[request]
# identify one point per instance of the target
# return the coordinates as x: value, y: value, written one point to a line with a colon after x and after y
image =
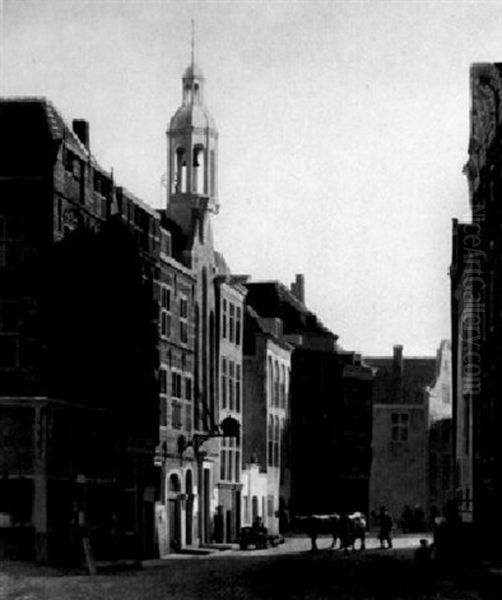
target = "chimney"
x: 398, y: 358
x: 81, y: 130
x: 397, y: 372
x: 298, y: 288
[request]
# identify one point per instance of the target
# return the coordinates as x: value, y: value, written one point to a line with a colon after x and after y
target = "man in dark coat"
x: 385, y: 533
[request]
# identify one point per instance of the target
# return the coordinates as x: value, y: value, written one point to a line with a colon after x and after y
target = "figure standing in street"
x: 385, y: 533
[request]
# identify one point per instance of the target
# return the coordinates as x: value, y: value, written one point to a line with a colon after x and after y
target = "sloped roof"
x: 418, y: 373
x: 274, y: 299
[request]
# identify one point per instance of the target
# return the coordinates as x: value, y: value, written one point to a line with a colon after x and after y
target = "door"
x: 174, y: 525
x: 188, y: 508
x: 228, y: 526
x: 207, y: 505
x: 237, y: 513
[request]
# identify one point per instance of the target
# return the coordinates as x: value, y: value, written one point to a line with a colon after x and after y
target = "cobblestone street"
x: 290, y: 571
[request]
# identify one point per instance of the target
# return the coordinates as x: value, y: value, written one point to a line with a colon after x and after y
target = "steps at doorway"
x: 196, y: 550
x: 220, y: 547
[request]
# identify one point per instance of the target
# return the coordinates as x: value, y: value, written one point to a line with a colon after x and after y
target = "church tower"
x: 192, y: 153
x: 192, y: 199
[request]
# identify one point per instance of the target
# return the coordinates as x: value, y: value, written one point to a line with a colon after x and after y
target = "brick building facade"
x: 77, y: 345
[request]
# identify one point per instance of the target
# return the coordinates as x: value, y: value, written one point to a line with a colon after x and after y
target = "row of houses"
x: 151, y: 400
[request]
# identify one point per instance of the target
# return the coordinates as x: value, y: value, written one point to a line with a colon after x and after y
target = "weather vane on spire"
x: 193, y: 41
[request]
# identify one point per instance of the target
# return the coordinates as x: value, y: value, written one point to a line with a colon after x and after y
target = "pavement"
x: 293, y: 545
x: 290, y: 571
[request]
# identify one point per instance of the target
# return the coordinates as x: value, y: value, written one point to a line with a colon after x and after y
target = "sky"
x: 343, y: 130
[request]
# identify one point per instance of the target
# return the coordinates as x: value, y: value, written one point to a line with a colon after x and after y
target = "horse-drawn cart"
x: 259, y: 539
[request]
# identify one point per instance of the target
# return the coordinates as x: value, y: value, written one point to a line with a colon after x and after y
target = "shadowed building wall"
x: 476, y: 286
x: 79, y: 403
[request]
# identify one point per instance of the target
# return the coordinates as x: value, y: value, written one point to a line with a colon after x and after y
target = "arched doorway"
x: 189, y: 508
x: 174, y: 513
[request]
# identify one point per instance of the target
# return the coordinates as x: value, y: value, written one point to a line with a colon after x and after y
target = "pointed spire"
x: 192, y: 62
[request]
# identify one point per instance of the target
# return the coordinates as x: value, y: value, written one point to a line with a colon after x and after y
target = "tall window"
x: 224, y: 383
x: 282, y: 449
x: 188, y: 419
x: 230, y: 460
x: 237, y: 388
x: 188, y: 388
x: 282, y: 384
x: 163, y: 395
x: 198, y: 169
x: 276, y: 441
x: 231, y: 326
x: 179, y: 182
x: 176, y: 421
x: 165, y: 311
x: 399, y: 426
x: 231, y: 372
x: 270, y: 382
x: 176, y: 385
x: 238, y: 325
x: 237, y: 466
x: 183, y: 320
x: 276, y: 385
x: 270, y: 436
x: 212, y: 172
x: 223, y: 464
x: 224, y: 320
x: 230, y: 464
x: 163, y: 380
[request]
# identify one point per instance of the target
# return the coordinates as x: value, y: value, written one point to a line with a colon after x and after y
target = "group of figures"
x: 413, y: 520
x: 348, y: 528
